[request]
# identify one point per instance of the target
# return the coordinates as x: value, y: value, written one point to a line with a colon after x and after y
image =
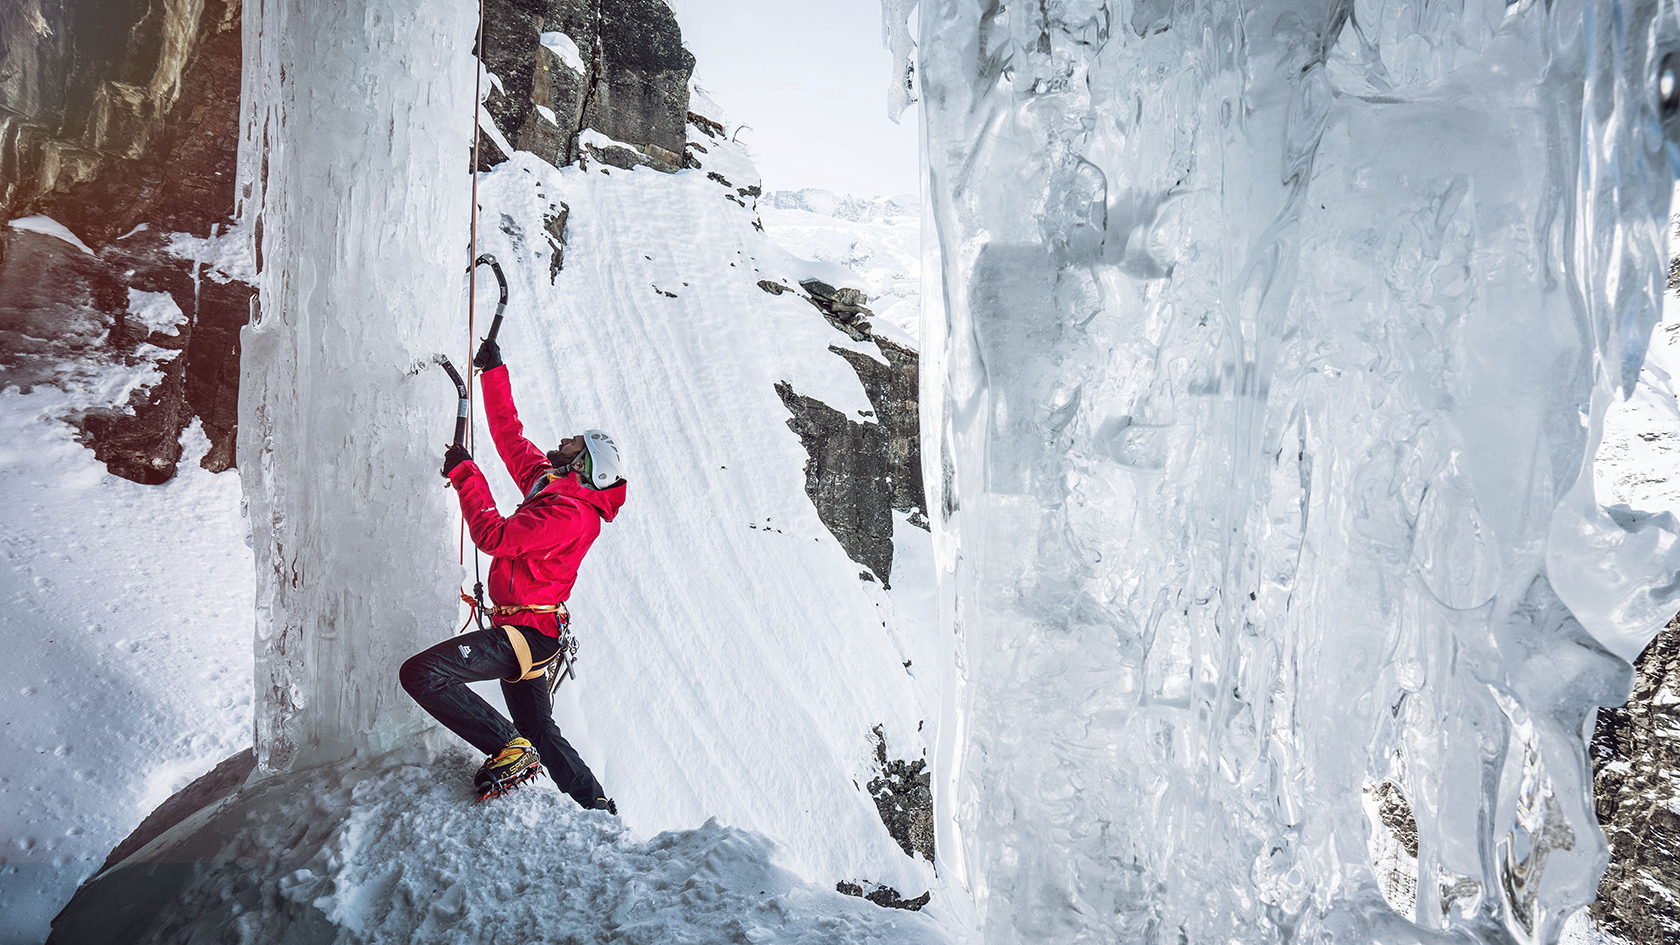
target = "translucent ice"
x: 1275, y: 339
x: 354, y: 156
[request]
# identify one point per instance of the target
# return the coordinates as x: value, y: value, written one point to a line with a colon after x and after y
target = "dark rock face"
x: 860, y: 472
x: 903, y: 794
x: 118, y: 114
x: 221, y: 781
x: 1636, y: 784
x: 633, y: 87
x: 883, y: 896
x: 112, y: 116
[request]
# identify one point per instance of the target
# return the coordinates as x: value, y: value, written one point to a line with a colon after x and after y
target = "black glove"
x: 489, y: 355
x: 454, y: 456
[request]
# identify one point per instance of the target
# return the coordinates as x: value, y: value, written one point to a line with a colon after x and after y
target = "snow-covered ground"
x: 126, y: 669
x: 394, y: 851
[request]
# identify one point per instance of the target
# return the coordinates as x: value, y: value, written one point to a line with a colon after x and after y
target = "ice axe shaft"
x: 501, y: 280
x: 461, y: 411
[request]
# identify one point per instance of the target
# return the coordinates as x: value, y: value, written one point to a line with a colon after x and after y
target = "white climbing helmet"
x: 603, y: 466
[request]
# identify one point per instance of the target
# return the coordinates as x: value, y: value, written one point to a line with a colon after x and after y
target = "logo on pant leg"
x: 466, y: 651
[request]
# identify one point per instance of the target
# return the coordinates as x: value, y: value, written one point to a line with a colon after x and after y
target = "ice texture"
x: 354, y: 162
x: 1267, y: 362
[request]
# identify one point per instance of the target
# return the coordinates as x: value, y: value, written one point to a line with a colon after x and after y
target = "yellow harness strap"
x: 522, y: 652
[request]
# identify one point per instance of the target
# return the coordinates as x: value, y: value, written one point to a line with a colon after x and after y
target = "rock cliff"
x: 564, y: 67
x: 121, y: 123
x: 1636, y: 786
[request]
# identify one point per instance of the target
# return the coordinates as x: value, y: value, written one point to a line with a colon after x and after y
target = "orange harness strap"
x: 521, y: 649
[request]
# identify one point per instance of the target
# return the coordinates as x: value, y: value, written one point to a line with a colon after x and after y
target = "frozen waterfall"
x: 1275, y: 346
x: 354, y: 159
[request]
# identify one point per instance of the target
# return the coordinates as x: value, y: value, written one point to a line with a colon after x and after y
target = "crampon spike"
x: 501, y: 787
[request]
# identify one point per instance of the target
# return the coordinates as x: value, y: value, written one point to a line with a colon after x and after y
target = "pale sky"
x: 809, y: 78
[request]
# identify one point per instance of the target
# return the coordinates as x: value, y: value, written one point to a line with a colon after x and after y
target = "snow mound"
x: 393, y: 849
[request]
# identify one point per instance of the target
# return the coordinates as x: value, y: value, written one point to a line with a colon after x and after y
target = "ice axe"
x: 461, y: 391
x: 501, y: 280
x: 495, y: 327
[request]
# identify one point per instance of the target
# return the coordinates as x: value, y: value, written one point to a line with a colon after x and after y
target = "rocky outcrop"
x: 117, y: 115
x: 564, y: 67
x: 859, y: 472
x: 884, y: 896
x: 112, y: 118
x: 903, y: 793
x: 1636, y: 784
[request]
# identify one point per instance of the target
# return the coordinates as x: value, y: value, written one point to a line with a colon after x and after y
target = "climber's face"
x: 570, y: 449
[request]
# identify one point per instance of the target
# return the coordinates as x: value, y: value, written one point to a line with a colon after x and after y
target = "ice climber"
x: 569, y: 492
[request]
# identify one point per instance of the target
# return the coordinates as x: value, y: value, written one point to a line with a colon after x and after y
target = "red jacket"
x: 538, y: 548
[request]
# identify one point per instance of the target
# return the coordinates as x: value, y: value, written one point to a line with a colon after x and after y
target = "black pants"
x: 437, y: 679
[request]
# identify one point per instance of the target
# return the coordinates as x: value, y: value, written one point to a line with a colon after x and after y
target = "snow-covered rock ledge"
x: 393, y: 849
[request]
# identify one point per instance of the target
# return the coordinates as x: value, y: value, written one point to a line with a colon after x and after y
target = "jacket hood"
x: 606, y: 502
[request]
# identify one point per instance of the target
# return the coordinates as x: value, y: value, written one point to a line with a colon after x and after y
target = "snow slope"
x: 733, y: 665
x: 879, y: 239
x: 126, y: 637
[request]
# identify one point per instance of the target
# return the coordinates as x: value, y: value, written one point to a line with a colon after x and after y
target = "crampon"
x: 507, y: 769
x: 496, y: 787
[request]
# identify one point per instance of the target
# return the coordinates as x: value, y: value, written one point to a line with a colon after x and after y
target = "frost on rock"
x: 353, y: 163
x: 1275, y: 344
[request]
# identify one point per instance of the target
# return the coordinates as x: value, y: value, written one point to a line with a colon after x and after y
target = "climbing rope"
x: 477, y: 600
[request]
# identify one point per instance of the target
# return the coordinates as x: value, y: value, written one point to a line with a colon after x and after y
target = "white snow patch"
x: 128, y: 632
x: 225, y: 255
x: 548, y: 114
x: 49, y: 227
x: 565, y: 48
x: 157, y: 311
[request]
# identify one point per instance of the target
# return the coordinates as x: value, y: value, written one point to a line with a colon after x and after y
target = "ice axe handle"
x: 461, y: 411
x: 501, y: 281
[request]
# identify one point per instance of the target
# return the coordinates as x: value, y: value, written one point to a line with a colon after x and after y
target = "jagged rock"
x: 893, y: 389
x: 633, y: 86
x: 707, y: 126
x: 840, y: 301
x: 844, y: 308
x: 554, y: 225
x: 1636, y: 787
x: 883, y: 896
x: 627, y: 158
x: 774, y: 288
x: 859, y: 473
x: 59, y: 305
x: 903, y: 793
x: 846, y: 479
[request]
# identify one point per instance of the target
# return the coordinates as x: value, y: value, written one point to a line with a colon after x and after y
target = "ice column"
x: 354, y: 160
x: 1275, y: 340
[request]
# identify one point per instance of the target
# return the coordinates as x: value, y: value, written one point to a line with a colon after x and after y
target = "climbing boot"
x: 606, y: 804
x: 515, y: 764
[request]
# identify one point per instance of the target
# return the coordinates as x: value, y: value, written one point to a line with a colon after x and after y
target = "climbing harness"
x: 558, y: 666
